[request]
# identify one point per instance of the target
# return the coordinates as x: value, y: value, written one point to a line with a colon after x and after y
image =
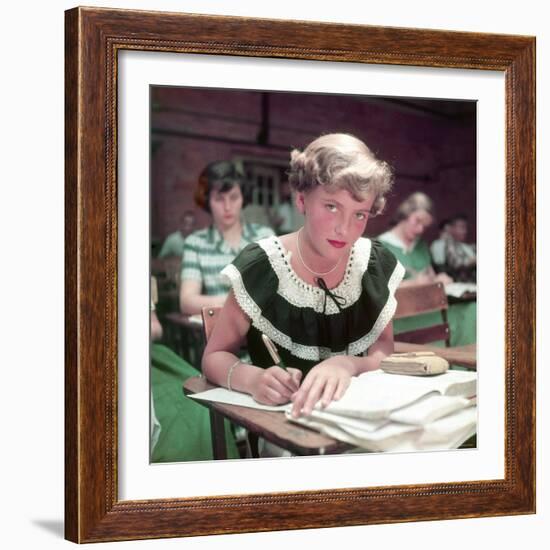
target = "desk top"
x: 462, y: 355
x: 272, y: 426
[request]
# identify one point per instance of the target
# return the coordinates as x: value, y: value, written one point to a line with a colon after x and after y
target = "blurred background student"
x: 460, y: 256
x: 222, y: 192
x: 412, y: 217
x: 437, y: 248
x: 173, y: 244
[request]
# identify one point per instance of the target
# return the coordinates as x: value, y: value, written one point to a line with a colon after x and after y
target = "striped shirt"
x: 205, y: 254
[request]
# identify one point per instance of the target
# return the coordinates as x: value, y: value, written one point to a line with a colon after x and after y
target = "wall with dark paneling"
x: 429, y: 143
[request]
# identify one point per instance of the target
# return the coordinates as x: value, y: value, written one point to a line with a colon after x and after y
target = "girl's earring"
x: 300, y: 204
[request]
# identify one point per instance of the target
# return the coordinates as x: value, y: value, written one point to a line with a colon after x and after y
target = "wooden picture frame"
x: 93, y: 511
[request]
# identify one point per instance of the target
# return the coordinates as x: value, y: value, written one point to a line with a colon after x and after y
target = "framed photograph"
x: 129, y: 76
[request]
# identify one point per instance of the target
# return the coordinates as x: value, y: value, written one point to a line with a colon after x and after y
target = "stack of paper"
x: 388, y: 412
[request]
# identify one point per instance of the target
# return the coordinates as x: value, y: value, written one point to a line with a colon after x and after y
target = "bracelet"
x: 230, y: 372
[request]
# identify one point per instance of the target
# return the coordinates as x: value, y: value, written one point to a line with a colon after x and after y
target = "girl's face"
x: 415, y: 224
x: 333, y: 220
x: 226, y: 207
x: 459, y: 230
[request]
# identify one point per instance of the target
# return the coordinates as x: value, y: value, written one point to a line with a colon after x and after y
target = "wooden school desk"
x: 272, y: 426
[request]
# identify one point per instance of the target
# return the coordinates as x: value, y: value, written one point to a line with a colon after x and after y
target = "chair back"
x: 419, y: 299
x: 209, y: 318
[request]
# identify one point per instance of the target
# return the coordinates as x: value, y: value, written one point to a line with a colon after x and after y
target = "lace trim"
x: 312, y: 353
x: 301, y: 294
x: 361, y: 345
x: 250, y: 307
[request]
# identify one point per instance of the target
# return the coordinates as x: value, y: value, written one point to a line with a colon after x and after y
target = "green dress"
x: 461, y: 317
x: 184, y: 423
x: 306, y: 323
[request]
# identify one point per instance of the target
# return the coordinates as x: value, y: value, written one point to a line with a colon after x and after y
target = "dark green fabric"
x: 185, y: 424
x: 304, y: 325
x: 462, y: 318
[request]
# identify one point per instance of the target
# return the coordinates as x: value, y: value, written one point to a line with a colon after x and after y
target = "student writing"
x: 323, y: 294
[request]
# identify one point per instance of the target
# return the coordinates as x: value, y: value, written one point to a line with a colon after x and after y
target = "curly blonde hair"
x: 341, y: 161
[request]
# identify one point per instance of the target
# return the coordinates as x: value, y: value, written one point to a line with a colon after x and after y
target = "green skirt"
x: 184, y: 423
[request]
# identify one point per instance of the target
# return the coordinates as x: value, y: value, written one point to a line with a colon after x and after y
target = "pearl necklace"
x: 304, y: 263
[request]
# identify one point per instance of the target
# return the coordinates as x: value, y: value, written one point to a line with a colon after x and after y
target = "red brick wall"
x: 431, y: 144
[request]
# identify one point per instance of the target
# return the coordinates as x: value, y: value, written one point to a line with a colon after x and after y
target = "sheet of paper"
x: 383, y: 439
x: 450, y: 427
x: 429, y: 408
x: 221, y: 395
x: 373, y: 395
x: 446, y: 433
x: 458, y: 289
x: 339, y: 420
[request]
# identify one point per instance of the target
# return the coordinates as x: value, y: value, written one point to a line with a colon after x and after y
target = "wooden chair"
x: 416, y: 300
x: 209, y: 317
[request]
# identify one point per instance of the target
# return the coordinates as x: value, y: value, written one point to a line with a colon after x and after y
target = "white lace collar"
x: 301, y: 294
x: 320, y: 352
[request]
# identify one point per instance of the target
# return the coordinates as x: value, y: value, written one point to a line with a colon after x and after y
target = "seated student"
x: 404, y: 240
x: 437, y: 248
x: 285, y: 217
x: 460, y: 256
x: 180, y: 427
x: 222, y: 192
x: 323, y: 294
x: 173, y: 244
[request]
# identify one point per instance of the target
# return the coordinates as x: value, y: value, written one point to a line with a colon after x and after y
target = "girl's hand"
x: 275, y: 386
x: 326, y: 382
x: 424, y: 278
x: 443, y: 278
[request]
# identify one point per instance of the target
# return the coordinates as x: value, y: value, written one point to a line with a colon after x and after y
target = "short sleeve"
x: 173, y: 245
x: 253, y: 281
x: 384, y: 266
x: 190, y: 266
x: 370, y: 315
